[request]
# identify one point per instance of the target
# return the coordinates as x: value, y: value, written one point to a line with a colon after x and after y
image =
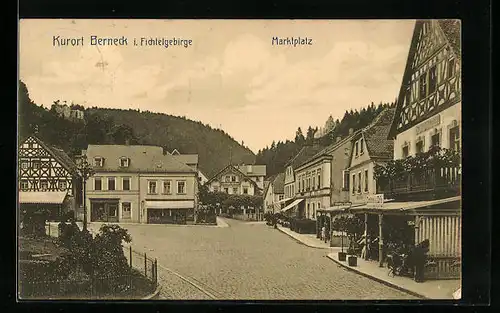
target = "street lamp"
x: 86, y: 171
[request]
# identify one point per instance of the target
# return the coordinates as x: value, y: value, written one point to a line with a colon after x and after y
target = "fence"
x: 141, y: 262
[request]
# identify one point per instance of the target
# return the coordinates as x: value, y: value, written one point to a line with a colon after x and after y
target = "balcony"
x: 425, y: 185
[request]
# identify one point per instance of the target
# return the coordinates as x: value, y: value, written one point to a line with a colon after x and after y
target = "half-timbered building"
x: 47, y: 178
x: 428, y: 114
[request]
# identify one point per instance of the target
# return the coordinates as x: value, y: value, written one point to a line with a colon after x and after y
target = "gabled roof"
x: 325, y: 151
x: 230, y: 166
x: 304, y: 154
x: 257, y: 170
x: 451, y: 32
x: 57, y: 153
x: 186, y: 158
x: 146, y: 159
x: 376, y: 134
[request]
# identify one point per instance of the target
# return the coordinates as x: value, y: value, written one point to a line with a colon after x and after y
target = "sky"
x: 230, y: 77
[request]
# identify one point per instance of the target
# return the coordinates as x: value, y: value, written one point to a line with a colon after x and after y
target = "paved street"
x: 248, y: 261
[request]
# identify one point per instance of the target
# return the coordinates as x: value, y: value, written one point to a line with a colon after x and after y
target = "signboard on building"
x: 428, y: 124
x: 375, y: 200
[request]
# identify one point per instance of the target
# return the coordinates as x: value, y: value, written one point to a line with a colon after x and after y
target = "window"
x: 233, y: 178
x: 356, y: 149
x: 124, y: 162
x: 44, y: 185
x: 406, y: 151
x: 126, y: 183
x: 216, y: 189
x: 24, y: 185
x: 354, y: 184
x: 30, y: 145
x: 167, y: 187
x: 181, y: 187
x: 361, y: 148
x: 308, y: 208
x: 408, y: 96
x: 281, y: 197
x: 228, y: 179
x: 436, y: 140
x: 451, y: 68
x: 366, y: 180
x: 319, y: 180
x: 35, y: 164
x: 98, y: 161
x: 245, y: 190
x: 111, y: 183
x: 359, y: 182
x: 152, y: 187
x: 423, y: 86
x: 455, y: 138
x: 420, y: 146
x: 62, y: 185
x: 313, y: 209
x: 345, y: 181
x: 126, y: 210
x: 24, y: 164
x: 97, y: 183
x: 314, y: 182
x: 299, y: 185
x: 226, y: 190
x: 432, y: 79
x: 235, y: 190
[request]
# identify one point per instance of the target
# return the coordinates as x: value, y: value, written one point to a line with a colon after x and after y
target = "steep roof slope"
x: 376, y: 135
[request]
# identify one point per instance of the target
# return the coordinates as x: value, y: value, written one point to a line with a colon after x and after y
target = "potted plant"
x: 339, y: 225
x: 352, y: 258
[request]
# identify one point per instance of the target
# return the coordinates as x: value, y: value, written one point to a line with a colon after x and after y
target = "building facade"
x: 47, y: 178
x: 313, y: 185
x: 231, y: 180
x: 370, y: 146
x: 257, y: 173
x: 274, y: 194
x: 139, y: 184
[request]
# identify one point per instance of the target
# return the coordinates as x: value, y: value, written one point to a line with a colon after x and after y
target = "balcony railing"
x: 427, y: 184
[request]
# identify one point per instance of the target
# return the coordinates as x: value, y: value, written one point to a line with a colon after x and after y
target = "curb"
x: 153, y: 295
x: 301, y: 242
x: 353, y: 269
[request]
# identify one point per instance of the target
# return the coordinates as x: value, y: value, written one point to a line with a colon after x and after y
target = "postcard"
x: 239, y: 159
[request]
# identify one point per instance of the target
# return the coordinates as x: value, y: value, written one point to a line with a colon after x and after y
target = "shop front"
x: 104, y: 210
x: 170, y: 212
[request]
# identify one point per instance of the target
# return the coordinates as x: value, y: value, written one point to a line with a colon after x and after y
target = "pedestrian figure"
x: 419, y: 259
x: 323, y: 233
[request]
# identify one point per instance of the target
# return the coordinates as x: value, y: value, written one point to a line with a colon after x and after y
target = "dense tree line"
x: 278, y: 154
x: 115, y: 126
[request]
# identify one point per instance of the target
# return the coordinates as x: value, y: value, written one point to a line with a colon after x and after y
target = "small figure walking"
x: 323, y: 233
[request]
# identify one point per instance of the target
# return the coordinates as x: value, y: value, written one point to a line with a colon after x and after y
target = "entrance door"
x: 102, y: 211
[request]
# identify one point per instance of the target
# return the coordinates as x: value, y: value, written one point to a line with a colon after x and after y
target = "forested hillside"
x: 114, y: 126
x: 279, y: 153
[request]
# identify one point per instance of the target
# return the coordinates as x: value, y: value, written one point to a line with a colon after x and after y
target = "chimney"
x: 339, y: 138
x: 351, y: 131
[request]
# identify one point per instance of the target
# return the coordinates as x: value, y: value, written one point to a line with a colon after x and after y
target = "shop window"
x: 126, y: 210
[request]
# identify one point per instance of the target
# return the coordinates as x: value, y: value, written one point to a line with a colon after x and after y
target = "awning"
x: 42, y: 197
x: 291, y: 205
x: 187, y: 204
x: 402, y: 206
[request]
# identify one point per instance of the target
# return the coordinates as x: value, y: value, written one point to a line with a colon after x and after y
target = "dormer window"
x: 124, y: 162
x: 98, y: 161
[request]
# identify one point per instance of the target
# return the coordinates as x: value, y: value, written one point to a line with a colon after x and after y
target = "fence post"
x: 130, y: 253
x: 145, y: 265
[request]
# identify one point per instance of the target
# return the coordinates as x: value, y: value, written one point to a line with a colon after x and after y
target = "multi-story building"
x: 192, y: 161
x: 47, y: 177
x: 139, y: 184
x: 313, y: 185
x: 257, y: 173
x: 232, y: 180
x: 274, y: 194
x: 428, y: 113
x: 370, y: 146
x: 290, y: 178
